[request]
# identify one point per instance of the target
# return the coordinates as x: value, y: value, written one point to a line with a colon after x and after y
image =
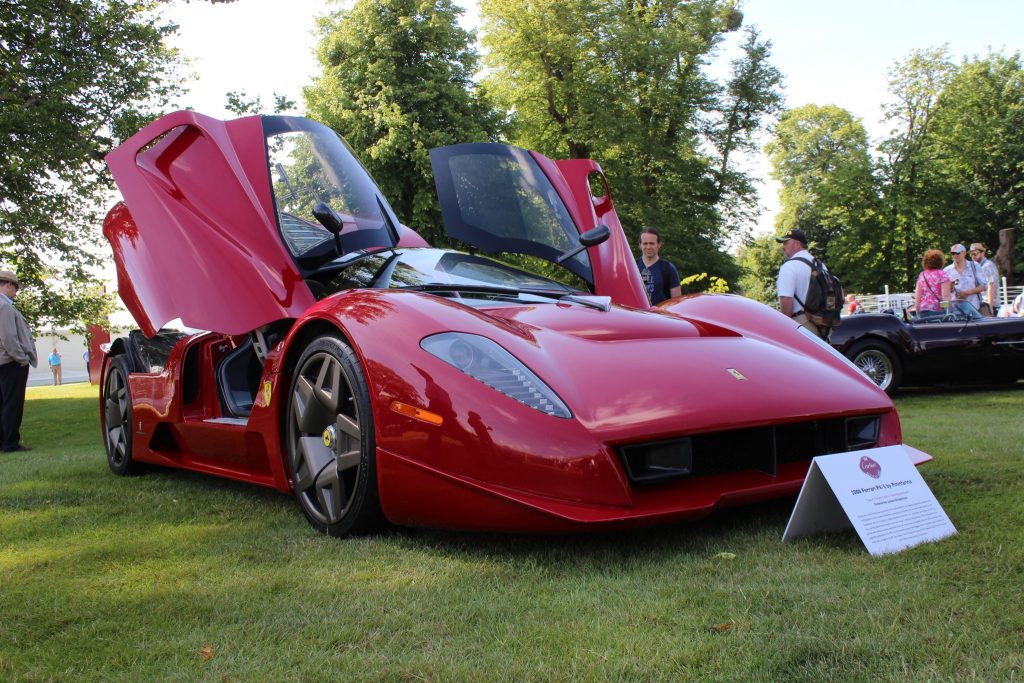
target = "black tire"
x: 336, y: 486
x: 879, y: 361
x: 116, y: 418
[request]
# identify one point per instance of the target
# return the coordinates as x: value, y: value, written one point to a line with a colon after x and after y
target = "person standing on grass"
x: 991, y: 274
x: 932, y: 291
x: 968, y: 280
x: 17, y: 353
x: 661, y: 279
x: 54, y: 361
x: 794, y: 278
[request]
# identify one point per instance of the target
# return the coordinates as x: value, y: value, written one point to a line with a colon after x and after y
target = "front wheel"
x: 330, y: 440
x: 879, y: 362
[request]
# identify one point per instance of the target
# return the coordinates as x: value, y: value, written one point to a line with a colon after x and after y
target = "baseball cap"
x: 797, y: 235
x: 957, y: 249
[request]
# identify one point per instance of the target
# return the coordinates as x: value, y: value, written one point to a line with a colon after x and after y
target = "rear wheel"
x: 117, y: 418
x: 879, y: 362
x: 330, y: 440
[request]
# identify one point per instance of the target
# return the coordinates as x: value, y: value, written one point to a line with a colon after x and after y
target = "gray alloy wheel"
x: 878, y: 361
x: 117, y: 418
x: 330, y: 440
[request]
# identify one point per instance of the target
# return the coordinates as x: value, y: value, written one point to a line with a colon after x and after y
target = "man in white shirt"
x: 968, y: 280
x: 991, y: 274
x: 794, y: 278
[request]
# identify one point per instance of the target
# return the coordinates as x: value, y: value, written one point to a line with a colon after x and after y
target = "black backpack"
x: 825, y: 295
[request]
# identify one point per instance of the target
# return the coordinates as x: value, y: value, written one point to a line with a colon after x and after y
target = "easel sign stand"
x: 877, y: 491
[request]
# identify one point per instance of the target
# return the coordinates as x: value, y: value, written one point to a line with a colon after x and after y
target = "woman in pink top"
x: 931, y: 296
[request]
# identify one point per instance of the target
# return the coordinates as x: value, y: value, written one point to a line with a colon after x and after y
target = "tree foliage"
x: 914, y: 199
x: 75, y: 78
x: 950, y: 169
x: 398, y: 80
x: 821, y: 158
x: 977, y: 145
x: 760, y: 259
x: 624, y: 83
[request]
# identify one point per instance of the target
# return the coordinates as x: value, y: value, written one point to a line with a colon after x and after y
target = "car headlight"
x: 486, y: 362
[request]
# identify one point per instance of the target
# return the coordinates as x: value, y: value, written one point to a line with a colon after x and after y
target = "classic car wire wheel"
x: 877, y: 363
x: 330, y: 440
x: 117, y: 417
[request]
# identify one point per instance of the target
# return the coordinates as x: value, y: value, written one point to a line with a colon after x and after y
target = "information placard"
x: 878, y: 492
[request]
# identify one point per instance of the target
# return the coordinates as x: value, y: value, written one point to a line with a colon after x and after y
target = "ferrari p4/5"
x: 327, y: 351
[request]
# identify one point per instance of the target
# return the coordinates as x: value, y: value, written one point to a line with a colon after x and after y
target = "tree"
x: 911, y: 192
x: 750, y: 99
x: 977, y: 145
x: 820, y: 156
x: 76, y: 77
x: 760, y: 260
x: 952, y: 165
x: 397, y: 81
x: 623, y: 82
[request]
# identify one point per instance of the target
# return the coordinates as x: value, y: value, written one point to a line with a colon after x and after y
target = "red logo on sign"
x: 870, y: 467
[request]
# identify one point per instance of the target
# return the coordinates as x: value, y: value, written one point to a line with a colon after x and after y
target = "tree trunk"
x: 1004, y: 257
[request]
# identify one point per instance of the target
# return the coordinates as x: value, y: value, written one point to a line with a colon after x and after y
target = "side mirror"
x: 591, y: 238
x: 327, y: 218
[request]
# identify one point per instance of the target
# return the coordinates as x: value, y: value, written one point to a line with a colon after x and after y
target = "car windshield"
x: 473, y: 279
x: 311, y: 167
x: 962, y: 311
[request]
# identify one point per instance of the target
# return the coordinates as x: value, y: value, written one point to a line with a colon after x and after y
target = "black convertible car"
x: 956, y: 348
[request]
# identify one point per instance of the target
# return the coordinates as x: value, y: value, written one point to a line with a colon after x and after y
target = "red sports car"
x: 379, y: 380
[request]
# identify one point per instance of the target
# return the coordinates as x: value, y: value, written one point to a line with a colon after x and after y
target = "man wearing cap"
x: 967, y: 278
x: 991, y: 274
x: 794, y: 278
x: 17, y: 353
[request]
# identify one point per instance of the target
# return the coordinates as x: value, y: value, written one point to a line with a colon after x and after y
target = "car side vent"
x: 758, y: 448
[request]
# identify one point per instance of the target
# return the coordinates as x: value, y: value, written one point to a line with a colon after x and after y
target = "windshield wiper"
x: 601, y: 303
x: 481, y: 289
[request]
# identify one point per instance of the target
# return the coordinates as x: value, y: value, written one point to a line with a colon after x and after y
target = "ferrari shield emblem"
x: 736, y: 373
x: 267, y: 392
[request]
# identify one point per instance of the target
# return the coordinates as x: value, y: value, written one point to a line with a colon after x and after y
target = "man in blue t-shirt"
x: 659, y: 275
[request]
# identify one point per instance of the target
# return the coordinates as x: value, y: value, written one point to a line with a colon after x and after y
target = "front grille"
x: 758, y: 448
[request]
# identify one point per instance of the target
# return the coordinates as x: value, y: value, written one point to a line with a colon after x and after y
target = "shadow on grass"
x: 722, y: 531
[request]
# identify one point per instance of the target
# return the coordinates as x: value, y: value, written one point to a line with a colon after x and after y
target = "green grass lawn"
x: 175, y: 576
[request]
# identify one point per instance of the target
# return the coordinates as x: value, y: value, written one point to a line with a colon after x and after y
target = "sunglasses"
x: 974, y: 251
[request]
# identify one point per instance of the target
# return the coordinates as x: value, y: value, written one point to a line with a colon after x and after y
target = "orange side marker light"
x: 417, y: 413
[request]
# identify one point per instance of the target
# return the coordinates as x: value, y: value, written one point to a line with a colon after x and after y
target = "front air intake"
x: 758, y: 448
x: 660, y: 460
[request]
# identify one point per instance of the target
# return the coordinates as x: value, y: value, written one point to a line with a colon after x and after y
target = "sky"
x: 829, y: 51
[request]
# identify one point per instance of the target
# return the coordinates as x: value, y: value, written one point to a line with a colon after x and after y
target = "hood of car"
x: 220, y: 224
x: 625, y: 371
